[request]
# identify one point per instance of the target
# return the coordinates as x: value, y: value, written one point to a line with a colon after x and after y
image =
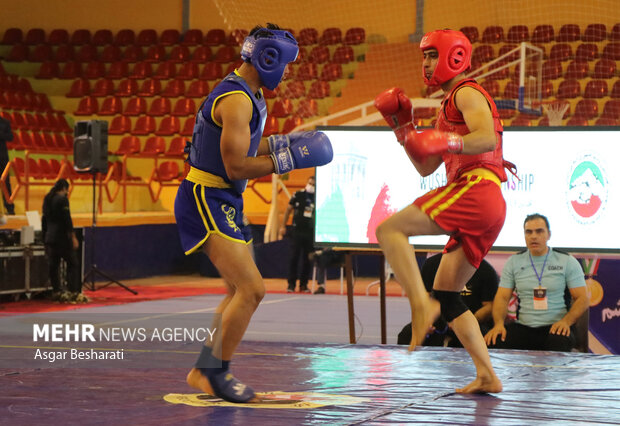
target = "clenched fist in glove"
x: 397, y: 110
x: 420, y: 145
x: 300, y: 150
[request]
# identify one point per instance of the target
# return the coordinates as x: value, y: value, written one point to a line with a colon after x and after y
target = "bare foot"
x: 423, y: 320
x: 483, y: 385
x: 198, y: 381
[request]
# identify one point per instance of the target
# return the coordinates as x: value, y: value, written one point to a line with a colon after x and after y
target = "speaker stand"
x: 89, y: 277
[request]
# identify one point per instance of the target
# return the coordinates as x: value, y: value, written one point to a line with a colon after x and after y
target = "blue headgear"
x: 270, y: 54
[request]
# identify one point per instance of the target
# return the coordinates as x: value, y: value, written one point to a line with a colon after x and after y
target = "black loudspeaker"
x: 90, y: 146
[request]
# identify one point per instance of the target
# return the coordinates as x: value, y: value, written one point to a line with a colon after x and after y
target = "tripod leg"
x: 112, y: 280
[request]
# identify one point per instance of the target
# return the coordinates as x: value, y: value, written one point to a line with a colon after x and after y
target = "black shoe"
x: 304, y: 289
x: 320, y: 290
x: 290, y: 290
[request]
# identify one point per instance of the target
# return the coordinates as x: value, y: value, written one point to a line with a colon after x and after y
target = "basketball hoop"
x: 555, y: 111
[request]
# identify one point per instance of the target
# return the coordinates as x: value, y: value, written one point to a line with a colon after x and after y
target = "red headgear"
x: 454, y: 51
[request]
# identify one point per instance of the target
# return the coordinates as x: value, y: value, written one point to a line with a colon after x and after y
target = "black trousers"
x: 302, y: 246
x: 4, y: 160
x: 54, y: 254
x: 519, y: 336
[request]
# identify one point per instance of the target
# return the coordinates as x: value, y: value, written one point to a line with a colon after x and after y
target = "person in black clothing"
x: 5, y: 136
x: 61, y: 243
x: 478, y: 295
x: 302, y: 235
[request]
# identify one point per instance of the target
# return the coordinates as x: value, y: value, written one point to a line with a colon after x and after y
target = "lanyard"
x: 543, y: 267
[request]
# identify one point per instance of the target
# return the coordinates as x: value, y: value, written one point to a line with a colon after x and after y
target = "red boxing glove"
x: 397, y: 110
x: 421, y: 145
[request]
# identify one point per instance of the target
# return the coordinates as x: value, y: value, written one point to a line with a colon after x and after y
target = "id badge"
x: 540, y: 298
x: 308, y: 211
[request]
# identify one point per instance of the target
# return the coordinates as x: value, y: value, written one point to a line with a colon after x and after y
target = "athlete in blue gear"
x: 225, y: 152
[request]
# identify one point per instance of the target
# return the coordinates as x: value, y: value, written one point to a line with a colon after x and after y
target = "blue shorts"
x: 202, y: 211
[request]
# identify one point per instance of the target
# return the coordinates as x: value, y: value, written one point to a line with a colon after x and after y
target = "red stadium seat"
x: 492, y: 87
x: 71, y: 70
x: 64, y: 53
x: 201, y: 54
x: 169, y: 126
x: 319, y: 54
x: 184, y: 107
x: 34, y: 36
x: 211, y: 71
x: 192, y: 37
x: 41, y: 102
x: 149, y: 87
x: 561, y: 52
x: 604, y: 121
x: 568, y: 33
x: 198, y: 89
x: 355, y: 36
x: 517, y: 34
x: 146, y: 37
x: 343, y: 55
x: 94, y: 70
x: 543, y: 33
x: 18, y: 53
x: 483, y: 53
x: 86, y: 53
x: 144, y: 125
x: 87, y: 106
x: 102, y: 38
x: 48, y: 70
x: 80, y: 37
x: 110, y: 53
x: 577, y: 69
x: 155, y: 53
x: 237, y: 37
x: 307, y: 71
x: 135, y: 106
x: 118, y: 70
x: 569, y: 89
x: 308, y: 36
x: 296, y: 89
x: 604, y: 68
x: 125, y: 37
x: 165, y: 70
x: 119, y: 125
x: 577, y: 121
x: 233, y: 66
x: 176, y: 147
x: 188, y: 71
x: 40, y: 53
x: 521, y: 121
x: 180, y: 54
x: 188, y: 127
x: 307, y: 108
x: 587, y: 52
x: 141, y: 70
x: 612, y: 109
x: 167, y: 171
x: 291, y: 123
x: 612, y: 51
x: 492, y: 34
x: 215, y: 37
x: 272, y: 126
x: 103, y: 87
x: 159, y: 107
x: 79, y: 88
x: 471, y: 33
x: 595, y: 33
x: 282, y: 108
x: 12, y: 36
x: 154, y: 145
x: 128, y: 145
x: 132, y: 53
x: 170, y: 37
x: 225, y: 54
x: 174, y: 89
x: 596, y: 89
x: 586, y: 108
x: 127, y: 87
x: 319, y: 90
x: 552, y: 69
x: 332, y: 35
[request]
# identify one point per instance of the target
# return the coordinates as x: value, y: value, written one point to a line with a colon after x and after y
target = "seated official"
x: 542, y: 278
x: 477, y: 294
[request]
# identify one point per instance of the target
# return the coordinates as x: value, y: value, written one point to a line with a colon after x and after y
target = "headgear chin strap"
x: 454, y: 50
x: 270, y: 53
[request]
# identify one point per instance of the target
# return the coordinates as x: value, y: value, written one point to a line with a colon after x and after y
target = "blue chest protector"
x: 204, y: 153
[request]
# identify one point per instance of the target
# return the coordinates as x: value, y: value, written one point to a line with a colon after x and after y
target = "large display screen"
x: 571, y: 175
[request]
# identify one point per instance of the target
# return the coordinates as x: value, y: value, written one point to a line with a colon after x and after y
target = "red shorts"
x: 471, y: 210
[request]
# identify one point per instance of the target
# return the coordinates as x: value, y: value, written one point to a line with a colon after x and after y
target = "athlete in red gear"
x: 470, y: 207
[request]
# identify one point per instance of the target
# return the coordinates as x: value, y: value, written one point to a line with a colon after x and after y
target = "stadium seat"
x: 41, y: 102
x: 86, y: 53
x: 614, y: 34
x: 237, y: 37
x: 71, y: 70
x: 170, y: 37
x: 561, y: 52
x: 343, y: 55
x: 167, y: 171
x: 47, y: 70
x: 159, y: 107
x: 271, y: 94
x: 174, y: 88
x: 184, y: 107
x: 355, y: 36
x: 604, y: 121
x: 94, y: 70
x: 291, y: 123
x: 483, y: 53
x: 135, y: 106
x: 500, y: 74
x: 40, y: 53
x: 155, y: 53
x: 188, y: 126
x: 165, y: 70
x: 492, y: 87
x: 110, y: 53
x: 34, y: 36
x: 492, y: 34
x: 144, y: 125
x: 233, y: 66
x: 103, y: 87
x: 61, y: 124
x: 149, y: 87
x: 87, y: 106
x: 170, y: 125
x: 120, y: 124
x: 45, y: 168
x: 141, y: 70
x: 296, y: 89
x: 176, y: 147
x: 547, y: 89
x: 128, y: 145
x: 307, y: 108
x: 308, y: 36
x: 198, y: 89
x: 596, y: 89
x: 587, y: 52
x: 471, y: 33
x: 569, y: 89
x: 64, y: 53
x: 18, y: 53
x: 118, y: 70
x: 543, y: 33
x: 604, y: 68
x: 282, y: 108
x: 319, y: 54
x: 225, y: 54
x: 154, y: 145
x: 577, y: 69
x: 521, y: 121
x: 330, y: 36
x: 211, y: 71
x: 132, y: 53
x: 586, y: 108
x: 125, y: 37
x: 569, y: 33
x: 611, y: 109
x: 102, y: 37
x: 517, y: 34
x: 331, y: 72
x: 80, y: 37
x: 612, y: 51
x: 146, y: 37
x: 302, y: 55
x: 552, y: 69
x: 594, y: 33
x: 79, y: 88
x: 215, y: 37
x: 37, y: 140
x: 179, y: 54
x: 188, y: 71
x: 307, y: 71
x: 192, y: 37
x: 127, y: 87
x: 577, y: 121
x: 272, y: 126
x: 201, y: 54
x: 12, y: 36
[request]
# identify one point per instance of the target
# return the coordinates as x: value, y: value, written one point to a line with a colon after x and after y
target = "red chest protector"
x: 451, y: 120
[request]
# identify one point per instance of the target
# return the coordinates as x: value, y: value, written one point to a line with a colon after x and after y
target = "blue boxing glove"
x: 306, y: 149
